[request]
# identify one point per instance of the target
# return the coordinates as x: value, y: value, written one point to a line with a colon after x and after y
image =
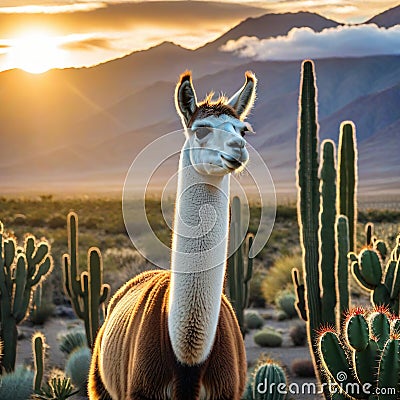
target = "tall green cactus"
x: 86, y: 291
x: 365, y: 359
x: 239, y: 266
x: 309, y: 200
x: 382, y: 283
x: 323, y: 232
x: 347, y: 178
x: 342, y: 268
x: 327, y: 220
x: 21, y: 270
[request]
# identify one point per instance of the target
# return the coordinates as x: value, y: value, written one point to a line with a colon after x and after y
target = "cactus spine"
x: 239, y: 266
x: 366, y: 359
x: 86, y: 291
x: 21, y: 270
x: 347, y: 177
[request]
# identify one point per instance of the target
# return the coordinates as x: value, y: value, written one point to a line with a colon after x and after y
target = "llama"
x: 173, y: 334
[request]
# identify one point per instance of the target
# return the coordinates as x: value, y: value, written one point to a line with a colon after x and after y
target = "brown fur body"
x: 133, y: 357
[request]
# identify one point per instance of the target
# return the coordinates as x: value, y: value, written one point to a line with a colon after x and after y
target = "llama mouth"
x: 231, y: 162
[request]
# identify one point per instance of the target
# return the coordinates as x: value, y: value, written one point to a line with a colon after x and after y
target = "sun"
x: 35, y: 53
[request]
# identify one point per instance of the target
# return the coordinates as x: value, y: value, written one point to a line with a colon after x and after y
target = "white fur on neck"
x: 199, y: 250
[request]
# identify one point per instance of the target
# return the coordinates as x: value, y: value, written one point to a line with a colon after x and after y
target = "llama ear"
x: 243, y: 100
x: 185, y: 97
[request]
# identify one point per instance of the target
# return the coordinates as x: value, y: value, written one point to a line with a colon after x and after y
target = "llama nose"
x: 236, y: 142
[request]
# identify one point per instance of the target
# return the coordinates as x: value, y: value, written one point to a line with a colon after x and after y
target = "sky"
x: 39, y: 35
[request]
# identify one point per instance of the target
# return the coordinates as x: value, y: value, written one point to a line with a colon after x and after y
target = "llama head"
x: 215, y: 130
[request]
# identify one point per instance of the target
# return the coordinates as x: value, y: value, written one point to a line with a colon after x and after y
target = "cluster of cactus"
x: 86, y: 290
x: 326, y: 234
x: 239, y: 266
x: 21, y: 270
x: 364, y: 359
x: 268, y: 382
x: 268, y: 337
x: 367, y: 268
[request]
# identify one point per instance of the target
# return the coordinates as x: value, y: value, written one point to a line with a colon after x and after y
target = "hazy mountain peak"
x: 387, y: 18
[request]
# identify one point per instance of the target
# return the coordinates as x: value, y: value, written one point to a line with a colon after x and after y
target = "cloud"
x: 302, y: 43
x: 106, y: 16
x: 86, y: 43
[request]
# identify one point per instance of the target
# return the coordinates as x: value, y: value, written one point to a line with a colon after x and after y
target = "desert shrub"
x: 256, y: 298
x: 253, y: 320
x: 17, y: 385
x: 303, y: 368
x: 77, y: 368
x: 286, y: 300
x: 298, y: 334
x: 57, y: 221
x: 40, y: 314
x: 72, y: 340
x: 268, y: 337
x: 122, y: 264
x: 92, y: 222
x: 279, y: 276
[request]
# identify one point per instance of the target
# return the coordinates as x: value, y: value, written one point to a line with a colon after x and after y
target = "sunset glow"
x: 83, y: 34
x: 35, y: 53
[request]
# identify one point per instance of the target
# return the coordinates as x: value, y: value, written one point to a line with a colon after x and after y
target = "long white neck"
x: 199, y: 251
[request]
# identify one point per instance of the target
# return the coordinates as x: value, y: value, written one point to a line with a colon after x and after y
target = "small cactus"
x: 268, y: 337
x: 253, y: 320
x: 286, y: 302
x: 38, y: 348
x: 270, y: 382
x: 86, y: 291
x: 72, y: 340
x: 77, y: 367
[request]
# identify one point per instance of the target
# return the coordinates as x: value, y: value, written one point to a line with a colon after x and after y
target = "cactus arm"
x: 380, y: 328
x: 327, y: 219
x: 300, y: 295
x: 369, y: 233
x: 20, y: 287
x: 334, y: 359
x: 355, y: 269
x: 389, y: 368
x: 342, y: 268
x: 366, y: 363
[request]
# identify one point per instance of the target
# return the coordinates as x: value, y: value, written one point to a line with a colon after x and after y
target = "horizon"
x: 39, y: 36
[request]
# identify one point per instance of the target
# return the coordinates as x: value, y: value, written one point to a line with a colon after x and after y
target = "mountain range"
x: 80, y: 129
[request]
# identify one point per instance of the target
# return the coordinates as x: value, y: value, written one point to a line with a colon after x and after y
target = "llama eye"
x: 202, y: 131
